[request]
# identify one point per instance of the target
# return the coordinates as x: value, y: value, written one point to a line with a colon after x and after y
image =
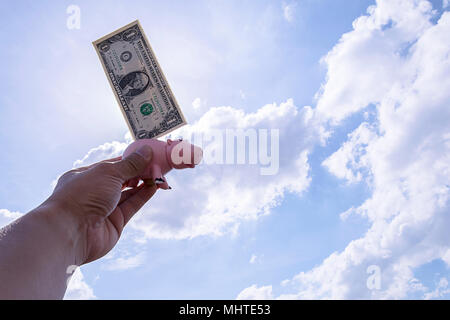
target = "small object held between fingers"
x: 166, y: 156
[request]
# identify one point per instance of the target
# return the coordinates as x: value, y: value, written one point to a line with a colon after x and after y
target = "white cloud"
x: 199, y: 106
x: 397, y: 60
x: 255, y: 293
x: 440, y: 291
x: 253, y: 259
x: 288, y: 11
x: 6, y: 217
x: 197, y: 103
x: 124, y: 263
x: 102, y: 152
x: 256, y: 259
x: 213, y: 199
x: 368, y: 61
x: 78, y: 289
x: 349, y: 161
x: 446, y: 257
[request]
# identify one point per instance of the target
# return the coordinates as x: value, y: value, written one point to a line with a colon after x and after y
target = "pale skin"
x: 80, y: 222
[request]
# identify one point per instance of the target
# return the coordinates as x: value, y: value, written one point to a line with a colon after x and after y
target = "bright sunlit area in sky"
x: 358, y: 90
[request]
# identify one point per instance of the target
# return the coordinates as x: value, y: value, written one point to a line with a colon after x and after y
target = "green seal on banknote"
x: 146, y: 109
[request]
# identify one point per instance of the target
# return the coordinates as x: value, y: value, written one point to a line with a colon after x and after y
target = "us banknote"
x: 140, y: 87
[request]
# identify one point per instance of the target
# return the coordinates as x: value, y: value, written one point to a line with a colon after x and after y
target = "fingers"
x: 128, y: 193
x: 132, y: 183
x: 134, y: 164
x: 133, y: 201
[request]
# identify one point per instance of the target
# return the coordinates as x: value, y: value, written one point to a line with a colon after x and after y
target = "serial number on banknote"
x: 141, y: 89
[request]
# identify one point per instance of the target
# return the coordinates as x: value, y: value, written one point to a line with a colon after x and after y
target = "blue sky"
x: 57, y: 105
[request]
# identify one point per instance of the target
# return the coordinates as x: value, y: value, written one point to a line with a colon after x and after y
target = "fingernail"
x: 145, y: 151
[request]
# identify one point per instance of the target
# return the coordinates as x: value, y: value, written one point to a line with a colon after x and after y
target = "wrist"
x: 36, y: 252
x: 66, y: 228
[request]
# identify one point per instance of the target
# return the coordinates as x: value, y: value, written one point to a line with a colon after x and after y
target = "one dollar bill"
x: 140, y: 87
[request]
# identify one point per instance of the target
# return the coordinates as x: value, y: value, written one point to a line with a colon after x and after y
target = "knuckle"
x: 133, y: 163
x: 67, y: 175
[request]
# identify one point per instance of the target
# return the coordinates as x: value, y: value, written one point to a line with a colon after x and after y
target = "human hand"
x: 92, y: 200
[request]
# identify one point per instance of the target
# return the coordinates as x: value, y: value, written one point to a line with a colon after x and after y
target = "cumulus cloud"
x: 214, y: 198
x: 78, y: 289
x: 124, y: 263
x: 6, y: 217
x: 397, y: 60
x: 197, y: 103
x: 102, y: 152
x: 349, y: 161
x: 440, y: 291
x: 256, y: 293
x: 199, y: 106
x: 368, y: 61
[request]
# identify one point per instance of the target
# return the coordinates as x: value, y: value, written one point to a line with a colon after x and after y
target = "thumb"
x: 135, y: 163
